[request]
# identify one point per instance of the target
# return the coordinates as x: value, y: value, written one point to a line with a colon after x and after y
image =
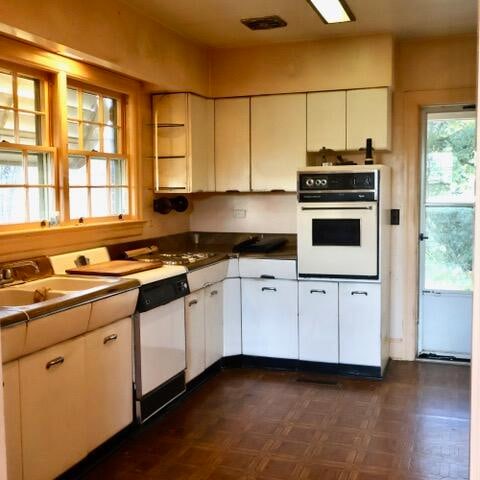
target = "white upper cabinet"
x: 326, y: 120
x: 278, y: 141
x: 369, y: 116
x: 183, y: 143
x: 232, y: 144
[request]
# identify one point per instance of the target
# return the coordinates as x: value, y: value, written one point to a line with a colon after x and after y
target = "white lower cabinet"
x: 232, y: 317
x: 195, y: 333
x: 109, y: 381
x: 360, y: 323
x: 270, y: 318
x: 213, y: 323
x: 13, y: 427
x: 53, y: 409
x: 318, y: 321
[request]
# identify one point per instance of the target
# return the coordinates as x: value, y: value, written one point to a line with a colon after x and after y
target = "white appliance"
x: 340, y: 215
x: 159, y: 330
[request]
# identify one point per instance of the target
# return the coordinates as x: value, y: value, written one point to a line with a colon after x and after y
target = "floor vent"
x: 444, y: 358
x: 319, y: 381
x: 264, y: 23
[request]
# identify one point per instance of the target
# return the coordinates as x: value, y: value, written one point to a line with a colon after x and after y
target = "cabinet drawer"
x: 113, y: 308
x: 13, y: 341
x: 206, y: 276
x: 267, y: 268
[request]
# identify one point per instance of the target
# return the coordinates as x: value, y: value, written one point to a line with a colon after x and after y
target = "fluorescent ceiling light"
x: 332, y: 11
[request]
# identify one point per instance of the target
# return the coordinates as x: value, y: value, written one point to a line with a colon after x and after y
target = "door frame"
x: 425, y: 111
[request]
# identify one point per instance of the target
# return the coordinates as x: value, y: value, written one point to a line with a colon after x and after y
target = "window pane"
x: 77, y: 170
x: 7, y: 132
x: 29, y: 128
x: 12, y: 205
x: 119, y: 198
x: 11, y: 168
x: 41, y: 203
x: 448, y: 250
x: 73, y: 136
x: 450, y: 159
x: 28, y: 91
x: 110, y: 135
x: 6, y: 90
x: 90, y: 103
x: 118, y: 171
x: 72, y: 103
x: 39, y: 169
x: 98, y: 171
x: 91, y: 137
x: 99, y: 202
x: 110, y: 112
x: 78, y: 203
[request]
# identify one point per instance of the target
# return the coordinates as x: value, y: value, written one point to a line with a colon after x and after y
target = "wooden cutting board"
x: 115, y: 268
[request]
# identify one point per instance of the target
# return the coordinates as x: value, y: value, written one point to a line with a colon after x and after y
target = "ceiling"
x: 216, y: 23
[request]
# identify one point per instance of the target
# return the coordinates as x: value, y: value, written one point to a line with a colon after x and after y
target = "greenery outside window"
x: 98, y: 168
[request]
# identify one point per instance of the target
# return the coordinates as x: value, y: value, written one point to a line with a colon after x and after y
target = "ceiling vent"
x: 264, y: 23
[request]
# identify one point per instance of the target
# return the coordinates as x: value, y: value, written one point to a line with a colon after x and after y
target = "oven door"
x: 338, y: 240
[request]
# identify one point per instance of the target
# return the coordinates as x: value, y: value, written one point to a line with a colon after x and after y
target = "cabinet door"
x: 326, y: 122
x: 318, y: 321
x: 278, y: 141
x: 359, y: 323
x: 232, y: 317
x: 53, y: 405
x: 195, y: 334
x: 13, y: 427
x: 270, y: 318
x: 201, y: 128
x: 109, y: 381
x: 368, y: 116
x: 213, y: 323
x: 232, y: 144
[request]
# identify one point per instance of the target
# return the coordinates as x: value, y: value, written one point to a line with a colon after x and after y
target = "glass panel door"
x: 446, y: 241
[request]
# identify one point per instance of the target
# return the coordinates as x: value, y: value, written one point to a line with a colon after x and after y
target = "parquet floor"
x: 254, y: 424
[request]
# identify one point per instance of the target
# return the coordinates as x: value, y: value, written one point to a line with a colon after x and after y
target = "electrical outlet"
x: 239, y: 213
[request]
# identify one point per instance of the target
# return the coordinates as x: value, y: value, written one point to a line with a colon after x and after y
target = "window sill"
x: 16, y: 244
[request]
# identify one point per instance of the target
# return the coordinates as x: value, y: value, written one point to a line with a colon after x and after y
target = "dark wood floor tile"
x: 273, y: 468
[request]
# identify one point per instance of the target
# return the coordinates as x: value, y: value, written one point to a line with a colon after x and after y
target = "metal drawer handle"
x: 318, y: 291
x: 110, y: 338
x: 270, y: 289
x: 55, y: 361
x: 192, y: 303
x: 213, y: 292
x: 357, y: 292
x: 269, y: 277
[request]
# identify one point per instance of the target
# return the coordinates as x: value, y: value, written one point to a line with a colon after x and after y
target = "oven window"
x: 343, y: 232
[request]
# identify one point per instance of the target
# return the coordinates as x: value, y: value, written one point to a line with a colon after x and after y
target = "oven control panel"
x: 335, y: 186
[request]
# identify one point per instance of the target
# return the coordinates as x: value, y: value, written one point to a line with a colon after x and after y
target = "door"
x: 213, y: 323
x: 279, y: 130
x: 318, y: 321
x: 270, y: 318
x: 447, y: 213
x: 359, y: 319
x: 195, y: 333
x: 108, y: 355
x: 338, y: 239
x: 53, y: 409
x: 232, y: 144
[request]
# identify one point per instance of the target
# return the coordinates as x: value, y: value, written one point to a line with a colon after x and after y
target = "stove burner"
x: 175, y: 258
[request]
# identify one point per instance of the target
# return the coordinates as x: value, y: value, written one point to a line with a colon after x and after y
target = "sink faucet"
x: 6, y: 276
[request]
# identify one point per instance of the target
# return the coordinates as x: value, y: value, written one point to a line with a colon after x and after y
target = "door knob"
x: 422, y: 237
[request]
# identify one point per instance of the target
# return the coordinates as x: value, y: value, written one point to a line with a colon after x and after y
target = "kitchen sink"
x: 15, y: 297
x: 67, y: 283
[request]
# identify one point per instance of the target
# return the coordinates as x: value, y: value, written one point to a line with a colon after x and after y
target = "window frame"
x: 123, y: 153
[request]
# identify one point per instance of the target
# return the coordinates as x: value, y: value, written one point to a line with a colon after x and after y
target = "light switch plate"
x: 239, y: 213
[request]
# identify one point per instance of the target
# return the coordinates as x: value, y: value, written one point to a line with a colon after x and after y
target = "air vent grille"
x: 264, y: 23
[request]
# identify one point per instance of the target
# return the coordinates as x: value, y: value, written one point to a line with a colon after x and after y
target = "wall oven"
x: 338, y: 223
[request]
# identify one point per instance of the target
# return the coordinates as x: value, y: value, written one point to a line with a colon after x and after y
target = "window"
x: 27, y: 188
x: 98, y: 168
